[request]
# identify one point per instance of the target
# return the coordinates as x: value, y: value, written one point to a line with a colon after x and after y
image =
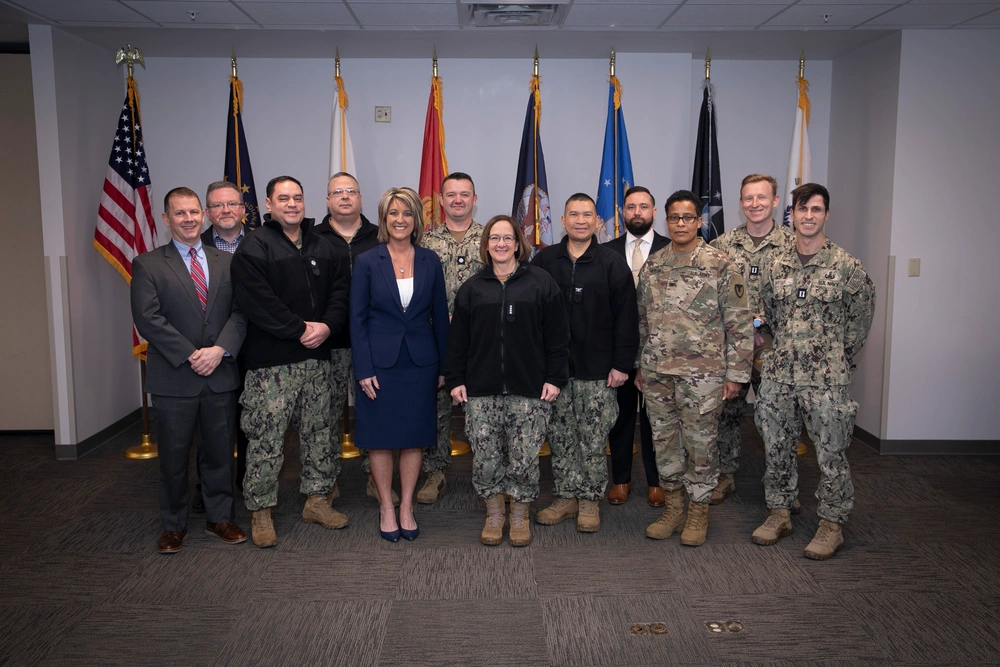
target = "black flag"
x: 706, y: 182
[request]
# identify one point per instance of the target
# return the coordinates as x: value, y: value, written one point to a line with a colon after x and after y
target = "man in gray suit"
x: 182, y: 304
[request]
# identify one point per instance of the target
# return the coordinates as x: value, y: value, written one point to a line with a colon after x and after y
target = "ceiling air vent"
x: 524, y: 13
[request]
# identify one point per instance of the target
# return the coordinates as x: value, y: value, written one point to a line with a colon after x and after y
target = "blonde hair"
x: 410, y: 199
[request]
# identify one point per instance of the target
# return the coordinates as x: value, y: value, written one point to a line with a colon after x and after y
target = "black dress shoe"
x: 197, y: 501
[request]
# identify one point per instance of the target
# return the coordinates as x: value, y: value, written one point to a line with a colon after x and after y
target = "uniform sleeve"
x: 459, y: 336
x: 860, y: 298
x: 361, y: 352
x: 555, y: 328
x: 626, y: 314
x: 439, y: 306
x: 149, y: 319
x: 338, y: 296
x: 257, y: 298
x: 767, y: 298
x: 738, y: 325
x: 641, y: 298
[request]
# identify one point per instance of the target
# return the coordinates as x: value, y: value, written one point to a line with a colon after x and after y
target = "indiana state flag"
x: 616, y: 168
x: 238, y: 170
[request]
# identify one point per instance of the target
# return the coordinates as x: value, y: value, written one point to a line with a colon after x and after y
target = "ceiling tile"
x: 405, y: 15
x: 849, y: 2
x: 178, y: 11
x: 931, y: 15
x: 722, y: 16
x: 93, y: 11
x: 991, y: 19
x: 632, y: 15
x: 313, y: 14
x: 743, y: 2
x: 811, y: 16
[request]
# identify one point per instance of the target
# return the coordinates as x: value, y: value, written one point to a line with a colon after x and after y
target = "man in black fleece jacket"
x: 294, y: 291
x: 604, y: 339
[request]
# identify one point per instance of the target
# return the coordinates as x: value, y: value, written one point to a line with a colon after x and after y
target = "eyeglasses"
x: 493, y: 238
x: 228, y: 204
x: 350, y: 192
x: 687, y: 219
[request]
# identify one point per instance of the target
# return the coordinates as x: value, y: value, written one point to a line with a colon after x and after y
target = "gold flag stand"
x: 146, y: 449
x: 347, y: 448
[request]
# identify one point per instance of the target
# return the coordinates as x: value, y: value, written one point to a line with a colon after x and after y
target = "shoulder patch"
x: 737, y: 291
x: 857, y: 280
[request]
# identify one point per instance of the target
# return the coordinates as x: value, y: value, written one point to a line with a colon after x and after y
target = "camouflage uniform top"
x: 693, y: 315
x: 459, y: 259
x: 750, y: 261
x: 820, y: 314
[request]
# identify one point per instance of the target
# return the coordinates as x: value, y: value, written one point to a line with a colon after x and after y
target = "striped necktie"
x: 198, y: 276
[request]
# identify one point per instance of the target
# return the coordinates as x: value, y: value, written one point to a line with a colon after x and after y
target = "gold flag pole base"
x: 607, y: 449
x: 459, y: 447
x: 545, y: 451
x: 802, y: 450
x: 347, y: 448
x: 146, y: 450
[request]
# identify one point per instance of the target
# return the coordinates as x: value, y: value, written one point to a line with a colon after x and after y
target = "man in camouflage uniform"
x: 750, y: 248
x: 456, y: 243
x: 695, y: 336
x: 600, y: 299
x: 819, y: 301
x: 292, y: 287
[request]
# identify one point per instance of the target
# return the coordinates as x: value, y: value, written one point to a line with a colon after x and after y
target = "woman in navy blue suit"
x: 399, y: 333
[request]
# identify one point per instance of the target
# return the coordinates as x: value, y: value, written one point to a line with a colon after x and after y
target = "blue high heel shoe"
x: 409, y: 535
x: 390, y: 535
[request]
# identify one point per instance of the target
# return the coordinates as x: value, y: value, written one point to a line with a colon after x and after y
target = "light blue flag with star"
x: 616, y: 168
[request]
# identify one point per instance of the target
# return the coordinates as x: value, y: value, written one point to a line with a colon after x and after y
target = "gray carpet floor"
x: 918, y: 582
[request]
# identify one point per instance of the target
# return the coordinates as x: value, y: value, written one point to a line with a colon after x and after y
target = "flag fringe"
x: 237, y: 95
x: 535, y: 87
x: 341, y: 93
x: 113, y: 261
x: 804, y: 102
x: 618, y: 92
x: 439, y: 107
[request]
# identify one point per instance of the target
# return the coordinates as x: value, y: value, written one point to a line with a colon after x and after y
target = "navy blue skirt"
x: 404, y: 412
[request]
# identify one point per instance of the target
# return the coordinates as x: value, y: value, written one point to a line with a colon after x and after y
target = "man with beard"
x: 638, y: 243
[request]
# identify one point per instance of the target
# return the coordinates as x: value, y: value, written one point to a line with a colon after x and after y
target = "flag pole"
x: 708, y: 63
x: 146, y: 449
x: 534, y: 153
x: 615, y: 167
x: 802, y: 64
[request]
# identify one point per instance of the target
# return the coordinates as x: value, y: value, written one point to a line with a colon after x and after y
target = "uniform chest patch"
x: 461, y: 260
x: 754, y: 270
x: 802, y: 293
x: 739, y: 291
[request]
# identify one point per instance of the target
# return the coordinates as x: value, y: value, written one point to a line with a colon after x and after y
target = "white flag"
x: 341, y: 150
x: 799, y: 162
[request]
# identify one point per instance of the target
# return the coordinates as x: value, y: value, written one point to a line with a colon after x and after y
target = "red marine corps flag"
x: 433, y: 163
x: 125, y: 226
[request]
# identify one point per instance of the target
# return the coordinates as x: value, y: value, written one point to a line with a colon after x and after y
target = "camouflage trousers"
x: 505, y: 433
x: 578, y: 430
x: 684, y: 414
x: 341, y: 387
x: 828, y: 413
x: 437, y: 457
x: 730, y: 438
x: 272, y: 397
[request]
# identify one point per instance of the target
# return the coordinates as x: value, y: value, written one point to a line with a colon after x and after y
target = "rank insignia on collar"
x: 754, y: 270
x: 461, y: 260
x: 802, y: 293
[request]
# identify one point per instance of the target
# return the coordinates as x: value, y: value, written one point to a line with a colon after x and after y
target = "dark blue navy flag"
x: 238, y: 170
x: 706, y: 182
x: 616, y: 168
x: 531, y: 190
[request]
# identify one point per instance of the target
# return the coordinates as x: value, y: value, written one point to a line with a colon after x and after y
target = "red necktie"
x: 198, y: 276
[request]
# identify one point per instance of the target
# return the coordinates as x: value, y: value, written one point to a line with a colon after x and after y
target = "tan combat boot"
x: 829, y: 540
x: 262, y: 529
x: 520, y: 527
x: 696, y: 529
x: 493, y: 530
x: 672, y: 518
x: 432, y: 488
x: 560, y: 510
x: 725, y: 488
x: 589, y: 518
x: 318, y: 510
x: 776, y: 526
x: 372, y: 492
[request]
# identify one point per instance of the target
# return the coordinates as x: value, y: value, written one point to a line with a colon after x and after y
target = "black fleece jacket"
x: 508, y: 338
x: 364, y: 239
x: 280, y: 288
x: 603, y: 315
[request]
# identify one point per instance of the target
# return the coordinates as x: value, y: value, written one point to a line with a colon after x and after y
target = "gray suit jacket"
x: 167, y: 313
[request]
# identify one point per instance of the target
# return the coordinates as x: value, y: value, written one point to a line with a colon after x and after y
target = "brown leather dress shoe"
x: 171, y: 541
x: 619, y: 493
x: 229, y: 533
x: 656, y: 498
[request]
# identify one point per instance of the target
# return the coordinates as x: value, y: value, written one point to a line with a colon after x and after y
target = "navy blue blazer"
x: 379, y: 325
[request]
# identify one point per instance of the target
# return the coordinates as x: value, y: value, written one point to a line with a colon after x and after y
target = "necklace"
x: 407, y: 263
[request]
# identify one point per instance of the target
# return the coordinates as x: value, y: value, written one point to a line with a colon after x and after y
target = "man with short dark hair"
x: 182, y: 304
x: 293, y: 289
x: 456, y: 243
x: 600, y: 299
x: 636, y: 245
x: 819, y: 301
x: 750, y: 247
x: 695, y: 345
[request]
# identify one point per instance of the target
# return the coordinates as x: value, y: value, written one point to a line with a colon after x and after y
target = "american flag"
x: 125, y: 226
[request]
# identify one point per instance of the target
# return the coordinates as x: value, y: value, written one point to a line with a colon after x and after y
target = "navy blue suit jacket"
x: 379, y: 325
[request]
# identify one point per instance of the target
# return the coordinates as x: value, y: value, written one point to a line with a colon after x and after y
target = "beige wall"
x: 24, y: 331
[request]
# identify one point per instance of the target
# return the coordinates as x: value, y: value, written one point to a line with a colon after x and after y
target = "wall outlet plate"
x: 383, y: 114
